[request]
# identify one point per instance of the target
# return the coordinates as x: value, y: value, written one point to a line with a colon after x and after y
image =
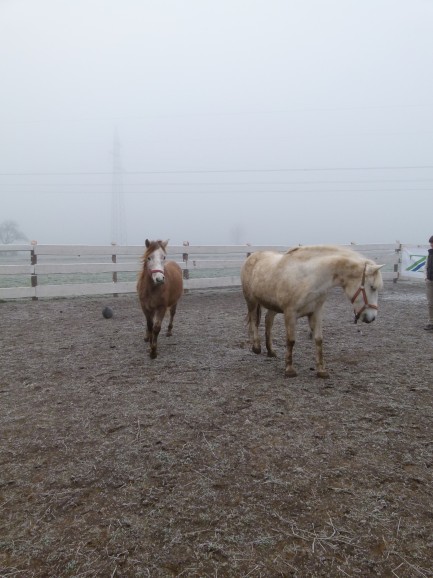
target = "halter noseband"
x: 152, y: 271
x: 364, y: 296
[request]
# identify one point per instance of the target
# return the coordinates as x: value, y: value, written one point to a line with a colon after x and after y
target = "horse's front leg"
x: 290, y: 324
x: 269, y: 320
x: 315, y: 322
x: 157, y: 321
x: 170, y: 323
x: 149, y: 327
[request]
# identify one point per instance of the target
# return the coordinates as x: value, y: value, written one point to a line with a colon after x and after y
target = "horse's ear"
x: 164, y: 244
x: 372, y: 269
x: 147, y: 243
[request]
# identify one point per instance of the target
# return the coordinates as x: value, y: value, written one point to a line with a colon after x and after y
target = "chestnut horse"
x: 296, y: 283
x: 159, y: 288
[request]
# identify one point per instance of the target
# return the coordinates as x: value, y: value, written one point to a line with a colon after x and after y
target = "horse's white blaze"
x: 155, y: 265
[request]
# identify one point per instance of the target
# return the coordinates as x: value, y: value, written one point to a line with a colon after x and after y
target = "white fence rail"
x: 36, y: 271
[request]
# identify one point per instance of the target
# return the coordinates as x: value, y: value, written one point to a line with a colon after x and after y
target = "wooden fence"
x: 36, y: 271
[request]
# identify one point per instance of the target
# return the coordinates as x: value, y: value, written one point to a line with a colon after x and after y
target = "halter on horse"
x: 361, y: 290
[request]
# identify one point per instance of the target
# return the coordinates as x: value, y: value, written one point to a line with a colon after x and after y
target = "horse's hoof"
x: 290, y: 372
x: 272, y: 353
x: 146, y: 339
x: 323, y: 374
x: 153, y: 354
x: 257, y: 349
x: 169, y: 334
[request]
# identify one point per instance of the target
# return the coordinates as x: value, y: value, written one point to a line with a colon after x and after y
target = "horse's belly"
x: 269, y: 303
x: 267, y: 299
x: 281, y: 300
x: 305, y: 310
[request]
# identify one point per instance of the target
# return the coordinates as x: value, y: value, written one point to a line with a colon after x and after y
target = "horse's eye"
x: 163, y: 258
x: 372, y: 288
x: 149, y: 258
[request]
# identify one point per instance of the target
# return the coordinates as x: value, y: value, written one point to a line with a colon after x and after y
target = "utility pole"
x: 118, y: 225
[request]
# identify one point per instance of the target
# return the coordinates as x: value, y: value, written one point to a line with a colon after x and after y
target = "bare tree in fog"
x: 9, y: 233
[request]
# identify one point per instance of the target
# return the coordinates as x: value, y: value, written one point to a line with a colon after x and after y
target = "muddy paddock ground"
x: 208, y: 462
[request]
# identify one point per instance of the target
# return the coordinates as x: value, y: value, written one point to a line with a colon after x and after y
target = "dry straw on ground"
x: 207, y: 462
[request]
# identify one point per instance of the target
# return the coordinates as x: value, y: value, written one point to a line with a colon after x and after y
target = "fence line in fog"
x: 35, y: 271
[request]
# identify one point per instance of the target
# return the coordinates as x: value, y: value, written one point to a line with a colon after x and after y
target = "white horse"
x: 296, y: 283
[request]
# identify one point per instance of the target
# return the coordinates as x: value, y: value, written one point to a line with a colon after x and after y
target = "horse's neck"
x: 325, y: 278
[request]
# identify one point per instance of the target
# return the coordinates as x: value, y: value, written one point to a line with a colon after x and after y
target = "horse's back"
x: 264, y: 260
x: 282, y: 281
x: 174, y: 281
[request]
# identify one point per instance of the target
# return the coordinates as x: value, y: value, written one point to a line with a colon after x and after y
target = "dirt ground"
x: 208, y: 462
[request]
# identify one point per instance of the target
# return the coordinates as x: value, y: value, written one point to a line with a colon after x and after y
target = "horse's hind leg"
x: 315, y: 322
x: 170, y: 322
x: 269, y: 320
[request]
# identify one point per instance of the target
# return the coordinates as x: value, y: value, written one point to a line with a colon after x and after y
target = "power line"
x: 225, y: 171
x: 225, y: 192
x: 214, y: 183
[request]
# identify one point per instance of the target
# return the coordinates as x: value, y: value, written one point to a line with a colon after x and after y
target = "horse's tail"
x: 258, y: 314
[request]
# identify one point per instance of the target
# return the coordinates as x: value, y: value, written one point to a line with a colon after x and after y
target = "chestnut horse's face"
x: 155, y: 262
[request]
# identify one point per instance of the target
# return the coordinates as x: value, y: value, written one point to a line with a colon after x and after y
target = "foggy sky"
x: 269, y: 122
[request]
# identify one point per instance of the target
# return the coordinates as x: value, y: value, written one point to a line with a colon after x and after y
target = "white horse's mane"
x: 318, y: 250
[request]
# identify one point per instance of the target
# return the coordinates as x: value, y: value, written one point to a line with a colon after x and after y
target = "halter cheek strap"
x: 362, y: 291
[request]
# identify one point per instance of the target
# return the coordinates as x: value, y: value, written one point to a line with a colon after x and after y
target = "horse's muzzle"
x: 368, y: 316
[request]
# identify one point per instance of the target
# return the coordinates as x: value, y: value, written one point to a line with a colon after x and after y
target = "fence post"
x: 33, y: 276
x: 114, y: 275
x: 185, y: 260
x: 397, y: 265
